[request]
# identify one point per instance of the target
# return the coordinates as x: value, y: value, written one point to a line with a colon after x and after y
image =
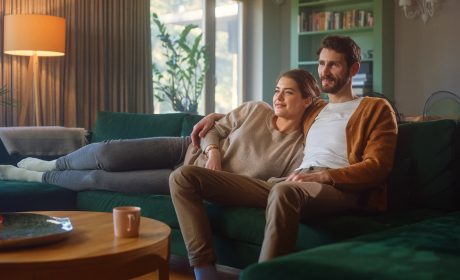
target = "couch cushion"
x: 188, y: 123
x: 243, y: 228
x: 247, y: 224
x: 426, y: 250
x: 26, y: 196
x: 426, y: 165
x: 112, y: 125
x: 5, y: 158
x: 401, y: 185
x: 154, y: 206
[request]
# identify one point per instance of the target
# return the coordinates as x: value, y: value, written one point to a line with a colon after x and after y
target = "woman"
x: 251, y: 133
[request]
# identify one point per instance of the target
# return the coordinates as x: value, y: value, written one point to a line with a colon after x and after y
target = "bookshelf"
x: 369, y: 22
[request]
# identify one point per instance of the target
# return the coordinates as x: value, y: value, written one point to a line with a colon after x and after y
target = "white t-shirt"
x: 326, y: 143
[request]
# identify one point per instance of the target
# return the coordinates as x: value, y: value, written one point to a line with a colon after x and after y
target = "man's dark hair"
x: 344, y: 45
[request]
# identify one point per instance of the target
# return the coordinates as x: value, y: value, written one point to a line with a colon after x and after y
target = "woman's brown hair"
x: 305, y: 81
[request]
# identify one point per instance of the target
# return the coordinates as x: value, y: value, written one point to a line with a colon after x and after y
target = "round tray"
x: 26, y: 229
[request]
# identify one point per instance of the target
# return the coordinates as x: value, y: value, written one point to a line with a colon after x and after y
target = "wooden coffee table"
x: 92, y: 252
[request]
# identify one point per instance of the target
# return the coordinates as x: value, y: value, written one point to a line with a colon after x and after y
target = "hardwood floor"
x: 180, y: 270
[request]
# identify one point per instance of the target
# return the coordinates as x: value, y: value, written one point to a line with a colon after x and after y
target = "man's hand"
x: 203, y: 126
x: 319, y: 177
x: 214, y: 160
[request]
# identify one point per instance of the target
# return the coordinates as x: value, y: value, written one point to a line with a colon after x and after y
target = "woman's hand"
x: 214, y: 161
x: 202, y: 127
x: 319, y: 177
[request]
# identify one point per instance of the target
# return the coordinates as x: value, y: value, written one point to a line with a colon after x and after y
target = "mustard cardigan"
x: 371, y: 142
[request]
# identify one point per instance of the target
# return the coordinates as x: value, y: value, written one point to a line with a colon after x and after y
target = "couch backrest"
x: 426, y: 171
x: 114, y: 125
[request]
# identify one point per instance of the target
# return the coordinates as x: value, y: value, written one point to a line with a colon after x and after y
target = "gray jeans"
x: 129, y: 166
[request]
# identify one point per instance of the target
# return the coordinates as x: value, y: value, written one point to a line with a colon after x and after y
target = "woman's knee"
x: 104, y: 153
x: 92, y: 178
x: 182, y: 177
x: 284, y: 192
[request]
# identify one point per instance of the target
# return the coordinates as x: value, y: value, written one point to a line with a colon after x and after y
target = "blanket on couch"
x: 42, y: 140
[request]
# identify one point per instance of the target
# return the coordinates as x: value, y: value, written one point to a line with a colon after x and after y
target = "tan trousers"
x: 285, y: 203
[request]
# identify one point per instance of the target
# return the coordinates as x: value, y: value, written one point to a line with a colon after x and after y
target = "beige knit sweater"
x: 250, y: 145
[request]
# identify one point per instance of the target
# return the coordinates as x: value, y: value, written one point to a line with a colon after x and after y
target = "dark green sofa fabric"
x: 16, y: 196
x: 424, y: 183
x: 426, y: 250
x: 110, y: 125
x: 426, y: 166
x: 26, y: 196
x: 239, y: 231
x: 5, y: 158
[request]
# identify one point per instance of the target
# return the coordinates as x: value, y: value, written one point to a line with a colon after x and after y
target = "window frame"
x: 209, y: 30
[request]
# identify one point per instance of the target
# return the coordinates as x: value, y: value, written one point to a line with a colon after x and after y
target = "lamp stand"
x: 36, y: 98
x: 33, y: 35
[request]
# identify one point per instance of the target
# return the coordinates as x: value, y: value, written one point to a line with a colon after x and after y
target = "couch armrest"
x: 7, y: 159
x: 43, y: 140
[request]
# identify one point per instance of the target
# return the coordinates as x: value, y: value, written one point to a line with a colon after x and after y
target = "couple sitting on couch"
x: 349, y: 153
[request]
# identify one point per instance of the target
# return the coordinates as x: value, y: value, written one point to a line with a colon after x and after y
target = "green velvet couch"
x: 423, y: 188
x: 419, y: 238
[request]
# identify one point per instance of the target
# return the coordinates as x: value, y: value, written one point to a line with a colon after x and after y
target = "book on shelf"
x: 359, y: 91
x: 362, y: 83
x: 337, y: 20
x: 361, y: 79
x: 362, y: 90
x: 334, y: 20
x: 302, y: 22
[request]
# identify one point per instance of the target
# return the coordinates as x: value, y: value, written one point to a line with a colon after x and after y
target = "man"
x: 349, y: 152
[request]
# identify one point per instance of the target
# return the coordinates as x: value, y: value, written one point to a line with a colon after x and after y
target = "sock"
x: 208, y: 272
x: 36, y: 164
x: 13, y: 173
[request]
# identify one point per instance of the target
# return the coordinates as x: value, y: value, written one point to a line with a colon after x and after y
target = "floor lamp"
x: 34, y: 36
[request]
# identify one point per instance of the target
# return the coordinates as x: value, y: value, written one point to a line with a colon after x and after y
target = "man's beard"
x: 339, y: 83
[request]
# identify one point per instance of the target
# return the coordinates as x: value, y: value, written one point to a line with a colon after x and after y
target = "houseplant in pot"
x: 181, y: 79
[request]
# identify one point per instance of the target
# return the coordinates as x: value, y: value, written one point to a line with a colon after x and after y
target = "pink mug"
x: 126, y: 220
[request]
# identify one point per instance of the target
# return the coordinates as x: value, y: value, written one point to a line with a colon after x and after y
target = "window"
x: 175, y: 15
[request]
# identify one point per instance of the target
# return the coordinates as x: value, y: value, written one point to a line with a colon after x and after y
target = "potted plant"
x: 181, y: 79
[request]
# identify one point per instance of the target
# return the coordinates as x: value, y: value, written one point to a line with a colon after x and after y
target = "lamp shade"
x: 34, y: 34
